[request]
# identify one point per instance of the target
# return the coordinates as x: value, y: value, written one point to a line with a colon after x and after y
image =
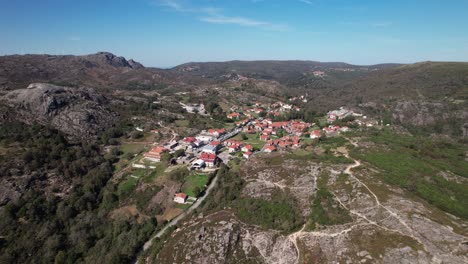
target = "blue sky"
x: 165, y: 33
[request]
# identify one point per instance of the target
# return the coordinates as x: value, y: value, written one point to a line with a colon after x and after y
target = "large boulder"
x: 78, y: 112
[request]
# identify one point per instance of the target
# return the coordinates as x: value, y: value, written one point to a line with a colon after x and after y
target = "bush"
x: 280, y: 213
x: 326, y: 211
x: 179, y: 174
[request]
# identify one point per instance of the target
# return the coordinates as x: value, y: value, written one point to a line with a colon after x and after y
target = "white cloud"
x: 215, y: 16
x: 174, y: 4
x: 245, y: 22
x: 306, y: 2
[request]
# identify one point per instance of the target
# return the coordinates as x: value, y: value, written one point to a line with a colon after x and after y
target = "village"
x: 253, y: 132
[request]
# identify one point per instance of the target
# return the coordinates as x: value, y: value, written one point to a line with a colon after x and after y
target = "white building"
x: 180, y: 198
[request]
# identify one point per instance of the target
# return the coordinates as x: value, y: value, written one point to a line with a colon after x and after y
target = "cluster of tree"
x: 227, y: 189
x: 305, y: 115
x: 73, y: 227
x: 179, y: 175
x: 279, y: 212
x: 326, y: 211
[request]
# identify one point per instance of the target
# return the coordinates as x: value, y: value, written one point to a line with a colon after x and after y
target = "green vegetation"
x: 74, y: 228
x: 179, y: 174
x: 327, y: 157
x: 252, y: 139
x: 153, y: 174
x: 279, y: 212
x: 325, y: 210
x: 142, y: 199
x: 131, y: 149
x: 332, y: 142
x: 126, y: 187
x: 227, y: 189
x: 195, y: 184
x: 414, y: 163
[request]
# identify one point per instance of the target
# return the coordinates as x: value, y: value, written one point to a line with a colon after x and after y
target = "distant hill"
x: 102, y: 69
x: 285, y: 72
x: 429, y: 80
x: 428, y: 94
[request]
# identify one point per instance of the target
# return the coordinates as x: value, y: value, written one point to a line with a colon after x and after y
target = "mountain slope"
x: 102, y: 69
x: 282, y: 71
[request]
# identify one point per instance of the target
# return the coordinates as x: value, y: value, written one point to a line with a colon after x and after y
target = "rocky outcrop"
x: 386, y: 226
x: 419, y: 113
x: 77, y: 112
x: 108, y: 58
x: 221, y: 238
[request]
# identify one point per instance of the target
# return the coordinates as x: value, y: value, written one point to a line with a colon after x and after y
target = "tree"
x: 244, y: 136
x: 179, y: 153
x: 197, y: 191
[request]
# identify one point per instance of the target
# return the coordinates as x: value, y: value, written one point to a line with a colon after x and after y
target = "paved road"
x: 174, y: 221
x: 229, y: 135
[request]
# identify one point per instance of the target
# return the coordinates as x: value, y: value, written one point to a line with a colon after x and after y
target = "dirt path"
x: 410, y: 232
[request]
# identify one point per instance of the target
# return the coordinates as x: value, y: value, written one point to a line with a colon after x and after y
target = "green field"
x: 131, y: 148
x: 252, y: 139
x: 126, y: 187
x: 194, y: 184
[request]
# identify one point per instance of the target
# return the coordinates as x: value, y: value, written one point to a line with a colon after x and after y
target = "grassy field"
x: 252, y: 139
x: 153, y: 174
x: 182, y: 123
x: 415, y: 164
x: 126, y: 187
x: 131, y: 148
x: 332, y: 142
x: 194, y: 183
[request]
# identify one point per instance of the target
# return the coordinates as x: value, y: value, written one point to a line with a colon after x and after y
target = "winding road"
x: 176, y: 220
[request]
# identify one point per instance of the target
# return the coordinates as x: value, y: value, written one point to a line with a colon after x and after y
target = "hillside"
x: 426, y: 80
x: 82, y: 181
x: 285, y: 72
x: 98, y: 70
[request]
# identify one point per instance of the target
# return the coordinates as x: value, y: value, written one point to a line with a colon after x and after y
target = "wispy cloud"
x: 215, y: 15
x: 306, y: 2
x: 245, y: 22
x: 173, y: 4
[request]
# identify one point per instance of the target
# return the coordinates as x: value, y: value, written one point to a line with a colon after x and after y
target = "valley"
x: 105, y: 160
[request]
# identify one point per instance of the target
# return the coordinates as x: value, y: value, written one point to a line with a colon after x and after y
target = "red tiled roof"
x: 270, y: 147
x: 215, y: 143
x: 208, y: 157
x: 157, y: 149
x: 189, y: 139
x: 249, y: 147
